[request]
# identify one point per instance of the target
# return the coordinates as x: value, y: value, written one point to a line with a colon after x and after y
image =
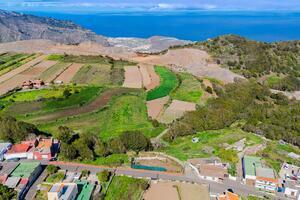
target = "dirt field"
x: 95, y: 105
x: 145, y: 76
x: 28, y: 74
x: 133, y: 77
x: 154, y: 78
x: 52, y: 73
x: 176, y: 110
x: 22, y: 68
x: 69, y: 73
x: 176, y: 191
x: 195, y: 61
x: 155, y: 107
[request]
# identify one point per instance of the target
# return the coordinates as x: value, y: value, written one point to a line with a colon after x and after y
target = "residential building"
x: 30, y: 84
x: 210, y: 168
x: 22, y: 177
x: 18, y: 151
x: 3, y: 149
x: 228, y: 196
x: 289, y: 172
x: 85, y: 190
x: 291, y: 193
x: 63, y: 191
x: 257, y: 175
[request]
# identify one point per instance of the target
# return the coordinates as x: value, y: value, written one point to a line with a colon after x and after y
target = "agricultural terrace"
x: 276, y: 154
x: 125, y: 112
x: 211, y: 143
x: 124, y: 188
x: 189, y: 90
x: 168, y: 82
x: 36, y: 102
x: 10, y: 61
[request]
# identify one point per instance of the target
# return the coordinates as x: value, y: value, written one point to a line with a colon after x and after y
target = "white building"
x: 63, y: 191
x: 3, y: 149
x: 291, y: 193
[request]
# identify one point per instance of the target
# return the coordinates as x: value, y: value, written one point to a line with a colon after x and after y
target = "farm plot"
x: 156, y: 106
x: 176, y: 110
x: 24, y: 67
x: 168, y: 82
x: 14, y: 62
x: 30, y: 73
x: 95, y: 74
x: 150, y: 78
x: 133, y: 77
x: 190, y: 89
x: 53, y: 72
x: 67, y: 75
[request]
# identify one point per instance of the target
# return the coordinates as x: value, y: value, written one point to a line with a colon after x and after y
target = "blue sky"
x: 147, y: 5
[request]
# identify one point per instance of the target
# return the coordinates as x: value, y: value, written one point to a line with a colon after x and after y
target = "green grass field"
x: 43, y: 101
x: 12, y: 61
x: 124, y: 113
x: 189, y: 89
x: 168, y: 82
x: 125, y: 188
x: 271, y: 80
x: 211, y: 143
x: 111, y: 160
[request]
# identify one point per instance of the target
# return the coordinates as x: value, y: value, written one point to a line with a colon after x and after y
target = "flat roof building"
x: 85, y: 190
x: 3, y: 149
x: 63, y: 191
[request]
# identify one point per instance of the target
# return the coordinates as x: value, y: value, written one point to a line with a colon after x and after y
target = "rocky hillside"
x: 16, y: 26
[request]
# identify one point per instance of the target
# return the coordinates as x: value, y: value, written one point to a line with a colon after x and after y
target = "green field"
x: 272, y: 80
x: 168, y: 82
x: 124, y: 113
x: 94, y: 74
x: 211, y: 143
x: 125, y: 188
x: 48, y: 100
x: 189, y: 90
x: 111, y: 160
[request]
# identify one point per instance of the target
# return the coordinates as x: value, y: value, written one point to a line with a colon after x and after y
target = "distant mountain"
x: 17, y: 26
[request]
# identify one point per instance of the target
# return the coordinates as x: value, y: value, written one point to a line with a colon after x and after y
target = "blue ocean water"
x: 197, y: 25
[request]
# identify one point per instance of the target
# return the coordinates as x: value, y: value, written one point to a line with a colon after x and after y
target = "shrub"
x: 51, y: 169
x: 103, y: 176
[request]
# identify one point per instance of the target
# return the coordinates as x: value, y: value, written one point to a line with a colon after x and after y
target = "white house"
x: 3, y: 149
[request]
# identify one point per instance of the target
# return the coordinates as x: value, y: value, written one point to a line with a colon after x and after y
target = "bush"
x: 51, y: 169
x: 85, y: 173
x: 135, y: 140
x: 103, y: 176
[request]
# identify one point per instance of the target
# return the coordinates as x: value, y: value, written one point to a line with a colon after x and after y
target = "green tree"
x: 83, y: 149
x: 115, y: 145
x: 51, y: 169
x: 103, y: 176
x: 100, y: 148
x: 135, y: 140
x: 7, y: 193
x: 68, y: 151
x: 65, y: 134
x: 67, y: 93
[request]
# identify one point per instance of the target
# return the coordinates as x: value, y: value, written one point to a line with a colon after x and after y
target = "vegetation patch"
x: 168, y: 82
x: 124, y: 188
x: 189, y: 90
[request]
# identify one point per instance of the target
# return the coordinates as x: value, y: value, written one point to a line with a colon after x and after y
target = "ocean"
x: 190, y: 25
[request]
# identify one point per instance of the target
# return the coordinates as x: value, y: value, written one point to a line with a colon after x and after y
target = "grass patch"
x: 125, y: 188
x: 12, y: 62
x: 211, y: 143
x: 55, y: 178
x: 111, y: 160
x: 168, y: 82
x: 55, y: 57
x: 189, y: 90
x: 272, y: 80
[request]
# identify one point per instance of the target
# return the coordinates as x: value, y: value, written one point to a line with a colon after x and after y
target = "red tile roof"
x: 19, y: 148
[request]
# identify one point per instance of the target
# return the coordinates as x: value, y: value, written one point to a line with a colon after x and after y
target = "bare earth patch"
x: 21, y: 68
x: 69, y: 73
x: 176, y: 110
x: 133, y: 77
x: 156, y: 106
x: 155, y: 80
x: 194, y: 61
x: 145, y: 76
x: 29, y: 74
x: 167, y: 190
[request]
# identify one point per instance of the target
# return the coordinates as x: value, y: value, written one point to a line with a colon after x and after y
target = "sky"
x: 147, y: 5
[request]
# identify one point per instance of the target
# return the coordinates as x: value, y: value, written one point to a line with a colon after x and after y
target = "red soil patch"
x: 69, y: 73
x: 156, y: 106
x: 145, y: 75
x: 133, y: 77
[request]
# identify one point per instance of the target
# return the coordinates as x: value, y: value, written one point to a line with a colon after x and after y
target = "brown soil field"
x: 155, y: 107
x: 22, y: 68
x: 29, y: 74
x: 155, y: 80
x: 194, y: 61
x: 145, y: 75
x: 67, y: 75
x: 167, y: 190
x: 133, y: 77
x: 176, y: 110
x: 55, y: 71
x: 98, y: 103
